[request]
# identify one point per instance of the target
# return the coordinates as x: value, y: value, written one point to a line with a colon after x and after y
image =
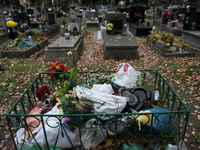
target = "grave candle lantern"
x: 140, y: 22
x: 124, y: 30
x: 148, y: 24
x: 75, y: 31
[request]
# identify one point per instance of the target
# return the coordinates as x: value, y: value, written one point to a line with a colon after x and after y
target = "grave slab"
x: 174, y: 54
x: 119, y: 47
x: 61, y: 46
x: 191, y: 37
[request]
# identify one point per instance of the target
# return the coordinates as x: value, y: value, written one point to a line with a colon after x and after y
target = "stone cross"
x: 103, y: 11
x: 63, y: 22
x: 72, y: 13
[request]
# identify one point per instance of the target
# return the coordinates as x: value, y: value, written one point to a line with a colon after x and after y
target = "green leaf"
x: 62, y: 92
x: 62, y: 98
x: 154, y: 106
x: 74, y: 74
x: 66, y: 85
x: 81, y: 82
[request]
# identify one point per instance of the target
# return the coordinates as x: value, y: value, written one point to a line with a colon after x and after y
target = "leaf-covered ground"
x: 183, y: 75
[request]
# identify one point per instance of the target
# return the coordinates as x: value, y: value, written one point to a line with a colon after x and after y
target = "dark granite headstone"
x: 30, y: 11
x: 190, y: 18
x: 118, y: 19
x: 21, y: 17
x: 136, y: 9
x: 51, y: 18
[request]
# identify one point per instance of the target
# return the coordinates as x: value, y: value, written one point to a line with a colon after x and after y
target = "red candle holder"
x: 148, y: 24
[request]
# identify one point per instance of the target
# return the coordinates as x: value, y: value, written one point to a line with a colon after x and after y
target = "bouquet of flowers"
x: 57, y: 67
x: 138, y: 15
x: 43, y: 18
x: 181, y: 15
x: 11, y: 24
x: 167, y: 14
x: 110, y: 27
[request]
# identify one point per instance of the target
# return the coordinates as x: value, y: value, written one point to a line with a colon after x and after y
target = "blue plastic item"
x: 163, y: 123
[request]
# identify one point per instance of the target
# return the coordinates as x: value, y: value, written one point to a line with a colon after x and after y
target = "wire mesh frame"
x: 151, y: 79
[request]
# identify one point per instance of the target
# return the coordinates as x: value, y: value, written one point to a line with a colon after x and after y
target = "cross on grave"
x: 103, y: 12
x: 64, y: 22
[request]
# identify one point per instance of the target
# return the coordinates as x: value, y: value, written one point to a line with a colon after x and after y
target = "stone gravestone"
x: 90, y: 23
x: 31, y: 11
x: 70, y: 23
x: 136, y: 9
x: 190, y: 19
x: 39, y: 9
x: 158, y: 12
x: 103, y: 11
x: 51, y: 18
x: 81, y: 15
x: 92, y: 14
x: 3, y: 36
x: 61, y: 46
x: 118, y: 20
x: 21, y: 17
x: 72, y: 13
x: 173, y: 9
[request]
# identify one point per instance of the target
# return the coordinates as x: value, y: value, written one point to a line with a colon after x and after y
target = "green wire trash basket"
x: 124, y: 135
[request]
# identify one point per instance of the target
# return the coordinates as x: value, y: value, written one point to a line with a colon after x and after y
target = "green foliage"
x: 69, y: 81
x: 97, y: 80
x: 197, y: 137
x: 68, y: 107
x: 38, y: 33
x: 74, y: 74
x: 91, y: 30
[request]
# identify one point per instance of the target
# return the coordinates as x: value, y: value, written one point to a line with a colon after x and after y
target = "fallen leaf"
x: 187, y: 135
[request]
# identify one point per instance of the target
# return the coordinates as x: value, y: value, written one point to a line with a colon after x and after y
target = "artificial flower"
x: 69, y: 53
x: 64, y: 122
x: 42, y: 91
x: 10, y: 23
x: 138, y: 15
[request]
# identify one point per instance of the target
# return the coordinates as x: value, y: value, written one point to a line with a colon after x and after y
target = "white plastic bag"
x: 129, y: 78
x: 103, y: 88
x: 53, y: 129
x: 181, y: 146
x: 102, y: 103
x: 92, y: 136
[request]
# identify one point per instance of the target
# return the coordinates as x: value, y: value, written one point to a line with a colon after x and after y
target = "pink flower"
x: 64, y: 122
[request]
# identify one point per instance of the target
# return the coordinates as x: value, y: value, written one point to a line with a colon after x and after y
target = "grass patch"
x: 90, y: 30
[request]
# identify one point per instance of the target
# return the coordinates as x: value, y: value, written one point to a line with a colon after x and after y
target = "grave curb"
x: 24, y: 53
x: 175, y: 54
x: 176, y: 32
x: 4, y: 38
x: 52, y: 32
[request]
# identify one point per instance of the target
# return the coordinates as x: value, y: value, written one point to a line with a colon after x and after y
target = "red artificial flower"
x: 56, y: 59
x: 62, y: 67
x: 42, y: 91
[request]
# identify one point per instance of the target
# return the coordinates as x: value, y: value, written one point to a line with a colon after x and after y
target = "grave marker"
x: 51, y: 18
